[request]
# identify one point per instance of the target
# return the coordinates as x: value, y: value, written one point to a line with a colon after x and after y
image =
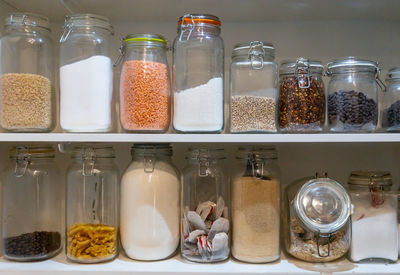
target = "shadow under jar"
x: 301, y: 102
x: 92, y: 214
x: 27, y: 92
x: 205, y: 217
x: 32, y: 205
x: 352, y: 95
x: 316, y: 219
x: 390, y: 102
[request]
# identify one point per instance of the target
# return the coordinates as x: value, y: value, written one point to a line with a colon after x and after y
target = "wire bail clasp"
x: 186, y: 28
x: 302, y: 72
x: 89, y: 158
x: 256, y: 55
x: 23, y: 158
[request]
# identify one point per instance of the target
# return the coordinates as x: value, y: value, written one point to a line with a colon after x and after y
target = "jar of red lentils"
x: 144, y: 84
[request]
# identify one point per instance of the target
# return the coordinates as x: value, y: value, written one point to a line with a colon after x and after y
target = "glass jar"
x: 301, y: 102
x: 32, y: 205
x: 256, y: 205
x: 253, y: 88
x: 150, y: 208
x: 198, y: 75
x: 205, y: 218
x: 352, y: 95
x: 27, y: 91
x: 316, y: 219
x: 92, y: 205
x: 374, y: 220
x: 86, y: 74
x: 144, y: 84
x: 390, y: 102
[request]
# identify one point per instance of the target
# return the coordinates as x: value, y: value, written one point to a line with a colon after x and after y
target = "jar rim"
x: 146, y: 149
x: 244, y: 48
x: 27, y: 19
x: 34, y: 151
x: 351, y: 64
x: 289, y: 66
x: 199, y: 19
x: 144, y: 39
x: 256, y: 152
x: 88, y: 20
x: 367, y: 178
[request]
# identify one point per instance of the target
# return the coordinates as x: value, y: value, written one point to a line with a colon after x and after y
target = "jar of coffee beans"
x: 353, y: 95
x: 301, y: 103
x: 390, y: 102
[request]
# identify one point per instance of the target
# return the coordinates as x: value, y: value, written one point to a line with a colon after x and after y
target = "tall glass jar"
x: 86, y: 74
x: 256, y: 205
x: 352, y: 95
x: 374, y: 220
x: 32, y: 202
x: 390, y: 102
x: 92, y: 205
x: 27, y: 89
x: 144, y: 84
x: 205, y: 217
x: 316, y: 219
x: 301, y: 103
x: 150, y: 209
x: 198, y: 75
x: 253, y: 88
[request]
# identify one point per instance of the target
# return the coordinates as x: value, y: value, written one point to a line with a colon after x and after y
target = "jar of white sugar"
x: 374, y: 221
x: 86, y: 75
x: 198, y: 75
x: 253, y: 88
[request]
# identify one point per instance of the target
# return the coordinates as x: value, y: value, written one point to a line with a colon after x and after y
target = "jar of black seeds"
x: 390, y: 102
x: 353, y: 95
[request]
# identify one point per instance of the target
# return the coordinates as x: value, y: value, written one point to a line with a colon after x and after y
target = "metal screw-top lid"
x: 293, y: 66
x: 368, y: 178
x: 322, y: 206
x: 28, y: 19
x: 393, y: 73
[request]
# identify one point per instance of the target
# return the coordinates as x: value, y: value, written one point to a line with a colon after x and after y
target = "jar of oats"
x: 27, y: 74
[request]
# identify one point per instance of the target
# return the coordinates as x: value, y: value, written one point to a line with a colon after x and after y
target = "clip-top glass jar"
x: 86, y: 74
x: 32, y: 201
x: 144, y: 84
x: 353, y: 95
x: 198, y: 75
x: 256, y: 205
x: 253, y: 88
x: 374, y: 220
x: 150, y: 208
x: 205, y: 217
x: 316, y: 219
x: 390, y: 102
x: 92, y: 205
x: 27, y: 93
x: 301, y: 103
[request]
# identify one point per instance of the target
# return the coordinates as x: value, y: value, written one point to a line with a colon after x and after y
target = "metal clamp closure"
x: 89, y: 159
x: 204, y: 162
x: 257, y: 166
x: 148, y: 163
x: 256, y: 55
x: 376, y: 193
x: 325, y: 236
x: 186, y: 29
x: 67, y: 31
x: 121, y: 54
x: 302, y: 72
x: 378, y: 80
x: 23, y: 159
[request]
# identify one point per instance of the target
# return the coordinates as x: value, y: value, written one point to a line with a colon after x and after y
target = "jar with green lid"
x: 253, y: 88
x: 390, y: 101
x: 144, y: 84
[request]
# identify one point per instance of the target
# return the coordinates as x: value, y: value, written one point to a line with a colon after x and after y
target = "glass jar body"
x: 390, y: 106
x: 198, y: 80
x: 145, y: 89
x: 150, y: 208
x: 27, y: 86
x: 253, y: 95
x: 86, y: 80
x: 33, y: 205
x: 92, y: 211
x: 256, y: 211
x: 301, y: 109
x: 352, y: 102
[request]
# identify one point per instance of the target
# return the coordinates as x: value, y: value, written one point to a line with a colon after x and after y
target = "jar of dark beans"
x: 301, y: 103
x: 353, y: 95
x: 390, y: 102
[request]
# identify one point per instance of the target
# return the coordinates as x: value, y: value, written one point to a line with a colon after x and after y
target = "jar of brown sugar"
x: 301, y: 103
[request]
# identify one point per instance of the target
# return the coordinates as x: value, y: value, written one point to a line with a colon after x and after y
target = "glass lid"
x: 28, y: 19
x: 301, y: 65
x: 248, y: 48
x: 351, y: 64
x: 368, y: 178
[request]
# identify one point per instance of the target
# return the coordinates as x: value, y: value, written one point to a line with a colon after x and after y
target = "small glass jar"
x: 390, y: 102
x: 144, y: 84
x: 32, y: 205
x: 27, y: 91
x: 205, y: 219
x: 253, y: 88
x: 301, y: 102
x: 374, y: 220
x: 256, y: 205
x: 352, y: 95
x: 150, y: 208
x: 316, y: 219
x: 86, y: 74
x: 198, y: 75
x: 92, y: 205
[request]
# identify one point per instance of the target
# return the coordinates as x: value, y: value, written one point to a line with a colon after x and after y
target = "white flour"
x: 86, y: 95
x: 200, y: 108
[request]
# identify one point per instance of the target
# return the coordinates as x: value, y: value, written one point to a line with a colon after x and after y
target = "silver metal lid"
x: 351, y: 64
x: 368, y: 178
x: 322, y: 206
x: 301, y: 64
x: 28, y: 19
x: 393, y: 73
